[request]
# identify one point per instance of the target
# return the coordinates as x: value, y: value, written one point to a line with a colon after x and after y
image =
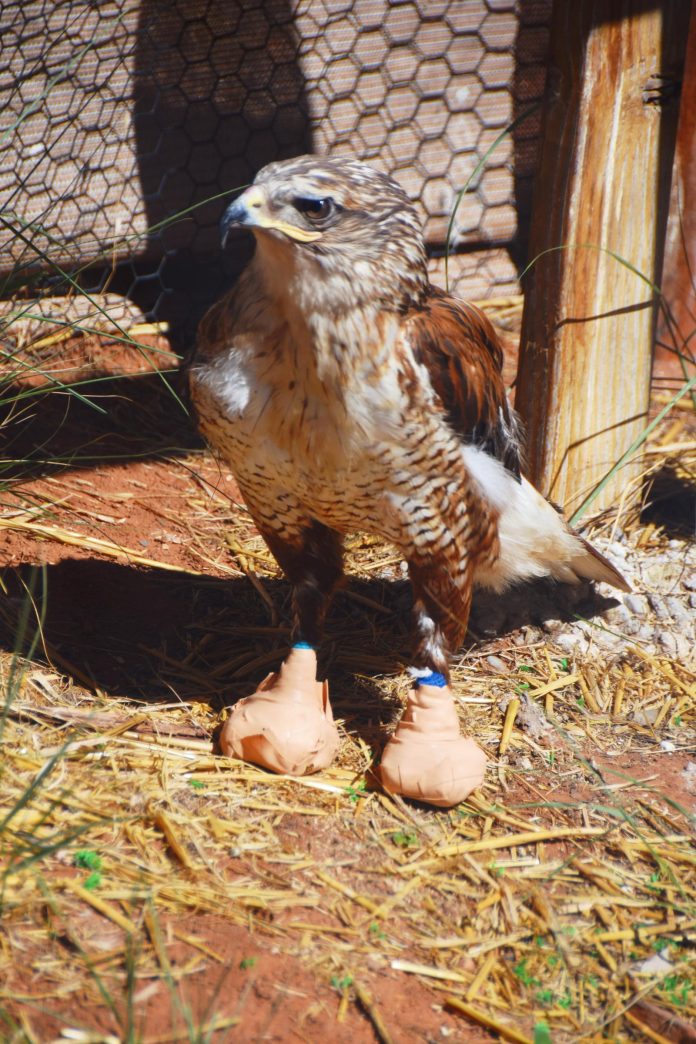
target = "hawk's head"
x: 336, y: 221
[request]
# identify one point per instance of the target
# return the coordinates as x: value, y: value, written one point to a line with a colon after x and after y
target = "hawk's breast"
x: 345, y: 440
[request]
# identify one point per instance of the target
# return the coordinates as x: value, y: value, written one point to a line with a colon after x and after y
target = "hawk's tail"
x: 535, y: 540
x: 591, y: 564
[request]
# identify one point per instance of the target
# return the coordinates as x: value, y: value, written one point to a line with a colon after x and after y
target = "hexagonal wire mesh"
x: 119, y: 115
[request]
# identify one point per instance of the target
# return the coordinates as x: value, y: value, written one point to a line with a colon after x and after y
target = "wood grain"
x: 679, y: 275
x: 584, y: 377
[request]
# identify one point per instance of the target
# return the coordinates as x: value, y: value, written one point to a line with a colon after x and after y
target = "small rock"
x: 659, y: 607
x: 647, y: 716
x: 655, y: 574
x: 677, y: 646
x: 690, y: 582
x: 532, y: 719
x: 657, y: 964
x: 676, y: 608
x: 567, y: 642
x: 646, y: 634
x: 668, y: 746
x: 497, y: 664
x: 692, y: 600
x: 637, y: 604
x: 617, y: 616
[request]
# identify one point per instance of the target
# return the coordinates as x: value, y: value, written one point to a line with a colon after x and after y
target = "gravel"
x: 658, y: 613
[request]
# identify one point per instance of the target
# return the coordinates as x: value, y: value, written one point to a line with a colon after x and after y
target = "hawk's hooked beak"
x: 250, y: 210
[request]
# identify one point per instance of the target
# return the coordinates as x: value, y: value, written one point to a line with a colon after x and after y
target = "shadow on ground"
x: 138, y: 417
x: 159, y: 636
x: 671, y: 502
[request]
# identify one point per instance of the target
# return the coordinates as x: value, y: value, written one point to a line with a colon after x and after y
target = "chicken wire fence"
x: 123, y: 123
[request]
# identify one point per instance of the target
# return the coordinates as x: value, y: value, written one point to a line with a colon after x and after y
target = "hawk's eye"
x: 315, y: 209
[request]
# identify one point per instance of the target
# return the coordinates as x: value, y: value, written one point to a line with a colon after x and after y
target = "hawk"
x: 346, y: 393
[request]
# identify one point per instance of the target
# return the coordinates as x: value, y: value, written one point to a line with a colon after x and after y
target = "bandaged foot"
x: 427, y: 758
x: 286, y: 725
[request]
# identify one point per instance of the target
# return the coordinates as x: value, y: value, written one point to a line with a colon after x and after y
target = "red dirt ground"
x: 253, y: 988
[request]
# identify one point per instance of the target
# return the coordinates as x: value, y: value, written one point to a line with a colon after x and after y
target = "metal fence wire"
x: 116, y: 116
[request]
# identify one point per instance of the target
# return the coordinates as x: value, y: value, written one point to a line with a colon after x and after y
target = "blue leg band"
x: 438, y: 681
x: 302, y: 645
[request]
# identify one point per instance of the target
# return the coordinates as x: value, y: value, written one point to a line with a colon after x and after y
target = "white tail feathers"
x: 592, y: 565
x: 535, y: 540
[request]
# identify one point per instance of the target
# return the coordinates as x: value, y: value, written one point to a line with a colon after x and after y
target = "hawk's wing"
x: 461, y: 351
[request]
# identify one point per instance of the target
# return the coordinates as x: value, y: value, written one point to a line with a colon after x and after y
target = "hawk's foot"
x: 286, y: 725
x: 427, y: 758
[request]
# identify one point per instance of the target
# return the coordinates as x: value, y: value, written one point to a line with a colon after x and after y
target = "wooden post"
x: 679, y: 276
x: 584, y: 379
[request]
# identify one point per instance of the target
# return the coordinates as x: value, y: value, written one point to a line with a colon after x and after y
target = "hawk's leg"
x: 314, y: 566
x: 427, y: 758
x: 287, y: 725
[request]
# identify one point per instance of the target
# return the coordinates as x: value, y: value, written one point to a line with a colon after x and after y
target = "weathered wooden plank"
x: 583, y: 384
x: 679, y: 273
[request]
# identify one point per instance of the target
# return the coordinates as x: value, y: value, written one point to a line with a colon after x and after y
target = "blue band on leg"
x: 437, y: 680
x: 302, y: 645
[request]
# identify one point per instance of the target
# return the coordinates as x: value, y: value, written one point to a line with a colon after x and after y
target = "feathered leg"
x: 427, y: 758
x: 287, y: 724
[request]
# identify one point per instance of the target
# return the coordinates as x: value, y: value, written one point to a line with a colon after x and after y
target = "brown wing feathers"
x: 460, y: 349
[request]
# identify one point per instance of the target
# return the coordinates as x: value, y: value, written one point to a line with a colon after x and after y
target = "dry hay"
x: 527, y: 904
